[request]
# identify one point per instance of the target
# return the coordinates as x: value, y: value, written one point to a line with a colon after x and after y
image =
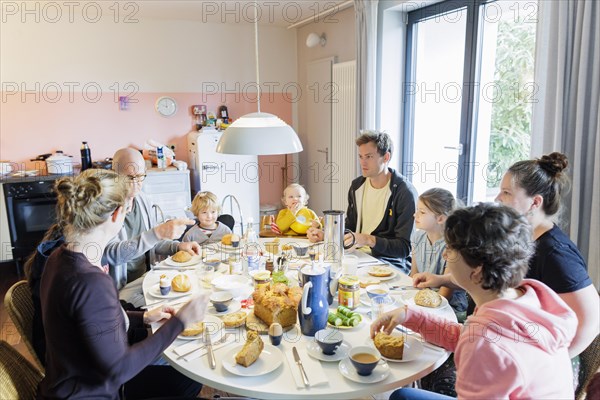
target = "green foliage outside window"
x: 510, y: 137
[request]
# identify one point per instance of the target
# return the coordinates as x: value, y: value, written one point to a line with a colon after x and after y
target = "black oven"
x: 30, y: 210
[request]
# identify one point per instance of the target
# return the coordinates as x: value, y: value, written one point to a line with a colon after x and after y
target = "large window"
x: 468, y: 94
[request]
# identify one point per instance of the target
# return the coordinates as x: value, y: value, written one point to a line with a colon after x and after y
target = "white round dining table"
x: 280, y: 383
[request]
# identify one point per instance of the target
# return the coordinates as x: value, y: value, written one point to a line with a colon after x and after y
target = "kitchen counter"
x: 15, y: 179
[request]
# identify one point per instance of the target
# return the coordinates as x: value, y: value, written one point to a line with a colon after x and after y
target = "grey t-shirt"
x: 134, y: 226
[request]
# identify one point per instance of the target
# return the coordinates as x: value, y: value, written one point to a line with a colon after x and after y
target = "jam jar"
x: 349, y: 291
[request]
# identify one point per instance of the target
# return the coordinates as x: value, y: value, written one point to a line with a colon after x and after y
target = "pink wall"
x: 31, y: 125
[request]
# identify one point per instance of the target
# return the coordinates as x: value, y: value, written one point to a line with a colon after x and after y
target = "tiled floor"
x: 8, y: 276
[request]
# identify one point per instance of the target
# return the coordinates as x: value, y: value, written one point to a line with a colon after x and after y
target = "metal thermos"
x: 334, y: 238
x: 86, y: 156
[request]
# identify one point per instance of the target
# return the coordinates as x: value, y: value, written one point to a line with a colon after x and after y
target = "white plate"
x: 233, y: 307
x: 269, y: 360
x: 364, y: 272
x: 413, y: 348
x: 214, y: 326
x: 155, y: 292
x: 194, y: 261
x: 380, y: 372
x: 230, y: 282
x: 313, y: 350
x: 411, y: 301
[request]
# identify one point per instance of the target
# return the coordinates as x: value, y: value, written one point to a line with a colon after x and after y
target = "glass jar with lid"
x: 349, y: 291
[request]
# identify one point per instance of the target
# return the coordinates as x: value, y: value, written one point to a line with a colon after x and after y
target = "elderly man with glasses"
x: 132, y: 251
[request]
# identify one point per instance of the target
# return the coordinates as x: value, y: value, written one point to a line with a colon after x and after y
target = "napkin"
x: 314, y: 370
x: 201, y: 348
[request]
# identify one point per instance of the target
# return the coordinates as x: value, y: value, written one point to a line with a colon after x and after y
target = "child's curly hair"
x: 204, y: 200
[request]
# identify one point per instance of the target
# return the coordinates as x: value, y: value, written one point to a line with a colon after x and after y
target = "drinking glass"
x: 205, y: 275
x: 378, y: 306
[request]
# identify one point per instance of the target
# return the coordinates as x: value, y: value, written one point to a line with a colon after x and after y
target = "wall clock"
x: 166, y: 106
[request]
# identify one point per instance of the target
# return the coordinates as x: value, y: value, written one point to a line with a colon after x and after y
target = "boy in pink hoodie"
x: 515, y: 345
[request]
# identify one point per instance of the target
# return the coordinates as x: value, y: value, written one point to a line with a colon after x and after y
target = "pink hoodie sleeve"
x: 486, y: 371
x: 434, y: 329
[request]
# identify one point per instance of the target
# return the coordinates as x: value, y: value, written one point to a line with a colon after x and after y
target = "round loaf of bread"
x: 181, y: 283
x: 428, y: 298
x: 181, y: 257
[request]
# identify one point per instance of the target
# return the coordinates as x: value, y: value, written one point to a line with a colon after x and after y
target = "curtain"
x: 566, y: 116
x: 366, y: 62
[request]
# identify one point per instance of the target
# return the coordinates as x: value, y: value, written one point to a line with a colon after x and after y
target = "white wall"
x: 158, y: 55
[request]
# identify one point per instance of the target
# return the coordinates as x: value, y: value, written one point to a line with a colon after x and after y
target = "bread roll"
x: 428, y: 298
x: 226, y: 239
x: 181, y: 257
x: 380, y: 271
x: 194, y: 329
x: 181, y: 283
x: 234, y: 320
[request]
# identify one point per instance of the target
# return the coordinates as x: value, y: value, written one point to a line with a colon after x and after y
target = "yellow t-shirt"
x: 373, y: 206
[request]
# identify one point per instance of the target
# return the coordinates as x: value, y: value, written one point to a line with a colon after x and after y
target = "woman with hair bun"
x: 535, y: 189
x: 88, y: 355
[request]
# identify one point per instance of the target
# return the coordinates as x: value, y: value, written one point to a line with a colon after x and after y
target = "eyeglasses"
x: 136, y: 178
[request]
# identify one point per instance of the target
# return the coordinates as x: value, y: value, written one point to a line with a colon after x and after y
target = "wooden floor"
x: 8, y: 276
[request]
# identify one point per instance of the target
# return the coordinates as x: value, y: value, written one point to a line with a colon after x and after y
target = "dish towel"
x: 201, y: 348
x: 314, y: 370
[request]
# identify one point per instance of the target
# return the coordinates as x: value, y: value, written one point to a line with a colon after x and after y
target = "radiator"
x: 343, y: 127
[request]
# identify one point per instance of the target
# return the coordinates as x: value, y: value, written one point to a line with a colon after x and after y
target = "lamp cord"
x: 256, y: 53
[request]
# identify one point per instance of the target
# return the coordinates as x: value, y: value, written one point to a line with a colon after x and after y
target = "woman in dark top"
x: 87, y: 352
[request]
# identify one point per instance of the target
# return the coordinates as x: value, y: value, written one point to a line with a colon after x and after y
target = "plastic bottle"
x: 251, y: 257
x: 161, y: 162
x: 86, y: 156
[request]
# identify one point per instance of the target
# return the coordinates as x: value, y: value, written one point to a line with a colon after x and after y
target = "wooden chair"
x: 19, y: 379
x: 19, y: 304
x: 590, y: 362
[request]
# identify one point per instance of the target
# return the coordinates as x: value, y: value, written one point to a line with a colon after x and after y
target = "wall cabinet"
x: 170, y: 190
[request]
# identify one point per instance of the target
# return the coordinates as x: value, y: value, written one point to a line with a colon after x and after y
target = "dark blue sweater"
x: 87, y: 353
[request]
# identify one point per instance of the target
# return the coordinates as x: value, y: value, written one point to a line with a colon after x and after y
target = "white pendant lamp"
x: 259, y: 133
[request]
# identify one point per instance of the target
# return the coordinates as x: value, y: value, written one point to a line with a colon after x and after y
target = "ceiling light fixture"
x: 259, y: 133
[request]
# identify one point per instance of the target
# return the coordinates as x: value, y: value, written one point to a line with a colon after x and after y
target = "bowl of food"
x: 377, y: 291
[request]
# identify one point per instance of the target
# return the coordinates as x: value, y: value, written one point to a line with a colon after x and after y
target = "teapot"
x: 313, y: 309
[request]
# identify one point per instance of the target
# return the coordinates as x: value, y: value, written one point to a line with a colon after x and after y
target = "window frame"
x: 469, y: 103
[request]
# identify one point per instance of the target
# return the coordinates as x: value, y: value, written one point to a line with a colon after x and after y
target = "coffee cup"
x: 329, y: 340
x: 364, y: 359
x: 221, y: 300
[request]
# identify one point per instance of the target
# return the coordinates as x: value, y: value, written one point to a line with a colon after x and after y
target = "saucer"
x: 381, y: 371
x: 313, y: 350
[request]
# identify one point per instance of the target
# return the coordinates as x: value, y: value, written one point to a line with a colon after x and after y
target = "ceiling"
x: 281, y: 13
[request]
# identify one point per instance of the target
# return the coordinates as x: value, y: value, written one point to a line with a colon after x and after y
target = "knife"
x: 220, y: 341
x: 299, y: 362
x: 211, y: 354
